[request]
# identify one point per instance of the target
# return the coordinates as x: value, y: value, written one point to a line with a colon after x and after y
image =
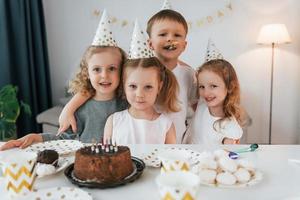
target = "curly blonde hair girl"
x: 81, y: 83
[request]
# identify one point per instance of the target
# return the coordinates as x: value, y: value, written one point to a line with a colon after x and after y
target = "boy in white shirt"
x: 167, y: 32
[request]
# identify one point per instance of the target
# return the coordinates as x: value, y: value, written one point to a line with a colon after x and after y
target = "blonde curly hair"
x: 81, y: 82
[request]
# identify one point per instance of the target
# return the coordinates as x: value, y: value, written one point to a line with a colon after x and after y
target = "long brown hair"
x: 231, y: 105
x: 81, y: 82
x: 167, y: 97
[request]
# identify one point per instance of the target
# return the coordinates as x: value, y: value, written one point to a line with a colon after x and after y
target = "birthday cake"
x: 103, y: 163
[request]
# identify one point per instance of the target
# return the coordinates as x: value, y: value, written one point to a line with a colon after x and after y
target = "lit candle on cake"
x: 97, y: 148
x: 115, y: 147
x: 102, y: 144
x: 111, y: 148
x: 106, y: 149
x: 93, y: 143
x: 106, y: 146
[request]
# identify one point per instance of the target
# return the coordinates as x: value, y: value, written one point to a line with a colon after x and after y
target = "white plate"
x: 61, y: 146
x: 57, y: 193
x: 151, y: 159
x: 62, y: 164
x: 254, y: 180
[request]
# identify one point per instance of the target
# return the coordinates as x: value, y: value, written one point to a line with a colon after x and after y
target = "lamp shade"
x: 273, y: 33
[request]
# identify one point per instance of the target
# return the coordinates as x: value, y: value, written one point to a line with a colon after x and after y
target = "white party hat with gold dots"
x: 166, y: 5
x: 104, y: 35
x: 139, y: 47
x: 212, y: 52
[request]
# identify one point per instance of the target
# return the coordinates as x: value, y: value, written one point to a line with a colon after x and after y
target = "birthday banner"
x: 213, y: 17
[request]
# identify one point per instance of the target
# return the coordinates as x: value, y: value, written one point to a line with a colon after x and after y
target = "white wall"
x: 71, y: 25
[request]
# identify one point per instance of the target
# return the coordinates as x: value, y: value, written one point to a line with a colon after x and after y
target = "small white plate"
x: 57, y: 193
x: 62, y: 147
x: 253, y: 181
x: 62, y: 164
x: 152, y: 159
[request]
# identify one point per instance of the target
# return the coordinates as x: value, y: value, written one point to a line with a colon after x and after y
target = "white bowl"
x: 175, y: 160
x: 178, y: 185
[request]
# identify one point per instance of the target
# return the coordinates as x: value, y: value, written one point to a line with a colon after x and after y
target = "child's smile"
x: 168, y: 39
x: 104, y: 73
x: 105, y: 84
x: 212, y: 88
x: 209, y: 99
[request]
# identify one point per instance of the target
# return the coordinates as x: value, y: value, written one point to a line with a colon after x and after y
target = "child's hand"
x: 65, y: 121
x: 22, y: 142
x: 230, y: 141
x: 67, y: 117
x: 10, y: 144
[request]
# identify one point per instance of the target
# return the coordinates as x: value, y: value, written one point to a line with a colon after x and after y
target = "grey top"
x: 91, y: 118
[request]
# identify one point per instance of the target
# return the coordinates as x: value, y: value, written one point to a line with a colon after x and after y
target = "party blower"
x: 235, y: 154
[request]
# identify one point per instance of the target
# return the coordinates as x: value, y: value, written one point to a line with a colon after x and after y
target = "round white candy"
x: 242, y: 175
x: 227, y: 164
x: 207, y: 163
x: 244, y: 163
x: 208, y: 176
x: 226, y: 178
x: 220, y: 153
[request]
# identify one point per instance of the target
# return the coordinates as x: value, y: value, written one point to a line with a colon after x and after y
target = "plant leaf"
x: 10, y: 111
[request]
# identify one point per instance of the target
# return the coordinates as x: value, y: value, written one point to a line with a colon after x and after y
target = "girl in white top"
x: 146, y: 83
x: 217, y: 120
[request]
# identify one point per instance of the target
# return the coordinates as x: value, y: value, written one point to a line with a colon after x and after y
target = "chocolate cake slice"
x: 48, y: 156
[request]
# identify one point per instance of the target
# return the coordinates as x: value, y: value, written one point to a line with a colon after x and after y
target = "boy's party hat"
x: 138, y: 46
x: 104, y: 36
x: 166, y: 5
x: 212, y: 52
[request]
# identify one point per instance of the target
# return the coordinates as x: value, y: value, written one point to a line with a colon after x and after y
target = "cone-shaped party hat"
x: 212, y: 52
x: 138, y: 46
x: 166, y: 5
x: 104, y: 35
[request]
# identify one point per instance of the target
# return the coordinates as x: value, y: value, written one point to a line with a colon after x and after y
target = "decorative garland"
x: 201, y: 22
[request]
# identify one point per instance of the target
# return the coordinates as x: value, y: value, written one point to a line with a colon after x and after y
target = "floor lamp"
x: 272, y: 34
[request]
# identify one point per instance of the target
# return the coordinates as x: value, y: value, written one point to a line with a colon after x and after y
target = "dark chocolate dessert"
x: 48, y: 156
x: 105, y: 164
